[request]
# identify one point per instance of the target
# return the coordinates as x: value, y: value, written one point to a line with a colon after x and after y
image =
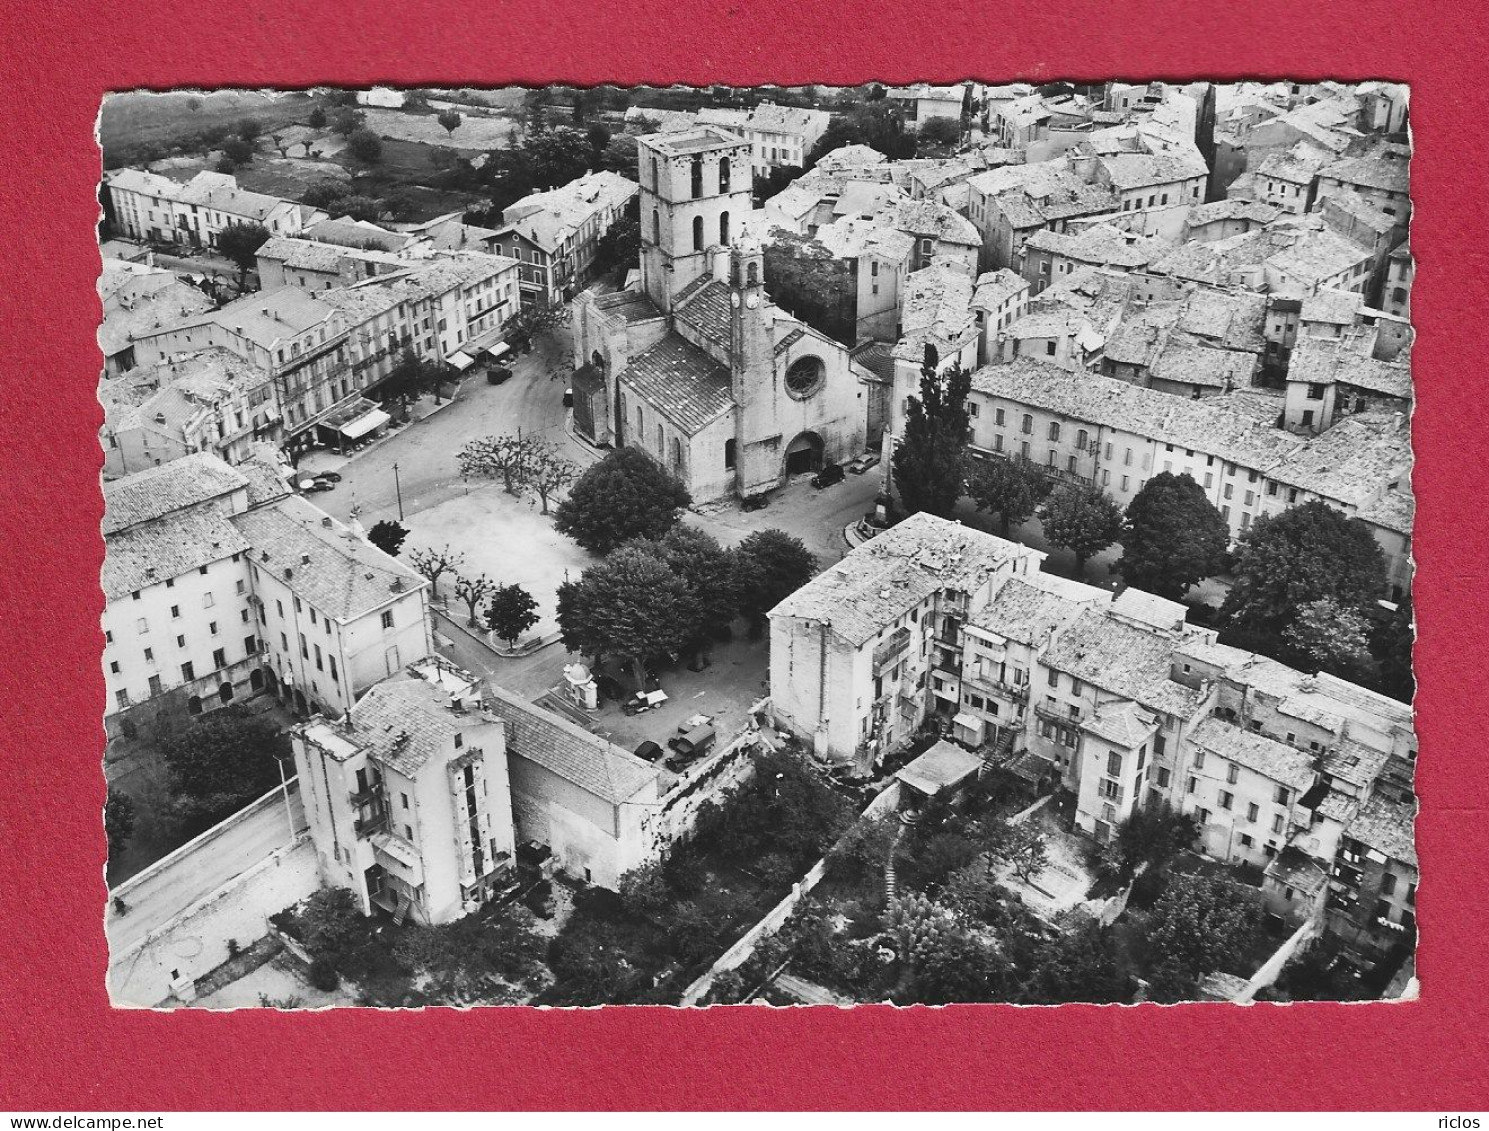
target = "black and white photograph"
x: 770, y: 546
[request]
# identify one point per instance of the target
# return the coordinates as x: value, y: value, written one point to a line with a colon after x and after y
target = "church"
x: 696, y: 366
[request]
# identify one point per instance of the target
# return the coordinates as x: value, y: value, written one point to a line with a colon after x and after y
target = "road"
x: 155, y: 898
x: 532, y: 402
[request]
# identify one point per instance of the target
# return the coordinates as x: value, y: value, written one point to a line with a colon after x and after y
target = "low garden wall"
x: 775, y: 919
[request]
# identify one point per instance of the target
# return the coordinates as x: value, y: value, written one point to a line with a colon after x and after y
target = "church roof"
x: 706, y: 309
x: 680, y: 381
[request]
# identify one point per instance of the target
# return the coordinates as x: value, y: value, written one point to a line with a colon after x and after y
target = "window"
x: 188, y: 672
x: 175, y: 612
x: 1247, y: 841
x: 149, y: 655
x: 1199, y: 759
x: 1163, y: 778
x: 1252, y: 811
x: 122, y: 699
x: 114, y: 666
x: 697, y: 233
x: 697, y: 177
x: 1277, y: 823
x: 1114, y: 763
x: 1054, y: 430
x: 998, y: 418
x: 388, y: 619
x: 724, y: 221
x: 142, y: 626
x: 1388, y: 884
x: 219, y: 658
x: 656, y: 226
x: 404, y: 798
x: 1055, y: 679
x: 1232, y: 774
x: 1283, y: 796
x: 1226, y: 799
x: 208, y: 600
x: 1049, y: 349
x: 729, y: 454
x: 1027, y: 426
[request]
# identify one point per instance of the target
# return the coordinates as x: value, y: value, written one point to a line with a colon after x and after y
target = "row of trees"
x: 524, y: 464
x: 1307, y: 581
x: 507, y: 610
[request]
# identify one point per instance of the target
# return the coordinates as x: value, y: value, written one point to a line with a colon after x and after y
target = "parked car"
x: 329, y: 476
x: 498, y: 375
x: 832, y: 473
x: 649, y: 750
x: 755, y: 502
x: 320, y: 485
x: 644, y: 701
x: 568, y: 398
x: 694, y: 744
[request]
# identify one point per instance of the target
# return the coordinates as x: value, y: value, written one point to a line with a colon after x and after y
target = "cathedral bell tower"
x: 695, y: 193
x: 751, y: 360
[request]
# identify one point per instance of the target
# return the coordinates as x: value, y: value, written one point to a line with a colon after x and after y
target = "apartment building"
x: 856, y: 653
x: 1000, y: 299
x: 778, y: 135
x: 221, y: 585
x: 1010, y: 204
x: 210, y: 401
x: 878, y: 258
x: 1114, y: 699
x: 288, y: 261
x: 335, y: 613
x: 555, y: 234
x: 138, y: 299
x: 179, y: 634
x: 409, y: 800
x: 146, y: 206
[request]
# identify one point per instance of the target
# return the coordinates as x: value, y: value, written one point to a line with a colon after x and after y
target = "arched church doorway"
x: 804, y: 454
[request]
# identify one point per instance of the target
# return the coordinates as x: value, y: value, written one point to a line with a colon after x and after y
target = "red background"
x: 60, y: 1044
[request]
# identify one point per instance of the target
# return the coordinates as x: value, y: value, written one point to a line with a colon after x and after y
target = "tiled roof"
x: 1235, y: 320
x: 268, y: 316
x: 404, y: 722
x: 707, y: 310
x: 598, y: 767
x: 1254, y: 210
x: 853, y: 236
x: 894, y: 572
x: 695, y: 140
x: 143, y: 181
x: 220, y: 191
x: 1353, y: 462
x: 1386, y: 827
x: 345, y: 577
x: 1394, y: 510
x: 927, y: 218
x: 1125, y: 660
x: 1384, y: 174
x: 1355, y: 763
x: 680, y: 381
x: 158, y: 491
x: 138, y: 302
x: 1355, y: 206
x: 1149, y: 609
x: 876, y: 357
x: 633, y: 306
x: 1121, y: 724
x: 1213, y: 429
x: 1327, y: 361
x: 265, y: 482
x: 850, y: 155
x: 1029, y: 613
x: 356, y: 233
x: 1192, y: 363
x: 1298, y: 167
x: 1274, y: 760
x: 939, y: 297
x: 1142, y: 170
x: 1333, y: 307
x: 151, y: 552
x: 548, y: 218
x: 1100, y: 244
x: 996, y: 287
x: 311, y: 255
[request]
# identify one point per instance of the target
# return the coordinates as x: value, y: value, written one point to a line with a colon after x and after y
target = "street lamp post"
x: 398, y: 488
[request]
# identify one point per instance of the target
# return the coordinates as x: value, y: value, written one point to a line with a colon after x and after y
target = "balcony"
x: 1058, y: 714
x: 891, y: 649
x: 372, y: 793
x: 371, y: 824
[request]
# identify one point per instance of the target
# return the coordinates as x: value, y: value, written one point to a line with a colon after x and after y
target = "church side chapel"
x: 697, y: 367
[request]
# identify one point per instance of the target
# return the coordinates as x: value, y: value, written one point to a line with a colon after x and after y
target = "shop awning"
x: 364, y: 424
x: 971, y: 722
x: 460, y: 360
x: 500, y: 350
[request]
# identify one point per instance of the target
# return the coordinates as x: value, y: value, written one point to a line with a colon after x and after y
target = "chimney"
x: 326, y: 521
x: 304, y: 559
x: 288, y: 573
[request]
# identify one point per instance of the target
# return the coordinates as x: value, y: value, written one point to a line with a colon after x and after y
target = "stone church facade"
x: 697, y: 367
